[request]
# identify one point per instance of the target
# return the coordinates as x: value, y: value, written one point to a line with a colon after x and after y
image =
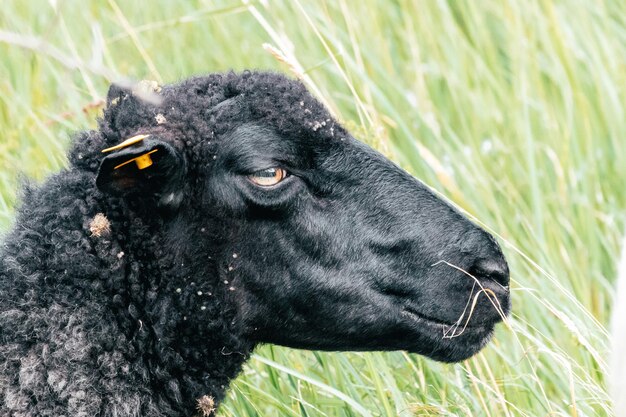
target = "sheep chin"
x: 449, y: 343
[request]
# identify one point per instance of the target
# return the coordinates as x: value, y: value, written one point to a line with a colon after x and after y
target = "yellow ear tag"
x: 126, y: 143
x: 142, y: 161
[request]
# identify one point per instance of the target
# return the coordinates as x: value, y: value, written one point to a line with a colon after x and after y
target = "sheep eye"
x: 268, y: 177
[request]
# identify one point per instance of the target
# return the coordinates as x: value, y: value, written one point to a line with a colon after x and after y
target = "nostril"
x: 496, y: 269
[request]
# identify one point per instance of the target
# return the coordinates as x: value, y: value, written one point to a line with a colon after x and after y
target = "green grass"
x: 513, y: 110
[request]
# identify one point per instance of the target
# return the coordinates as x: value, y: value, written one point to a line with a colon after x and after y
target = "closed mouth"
x: 420, y: 316
x: 439, y: 323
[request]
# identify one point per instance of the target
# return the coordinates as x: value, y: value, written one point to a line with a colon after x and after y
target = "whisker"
x: 456, y: 325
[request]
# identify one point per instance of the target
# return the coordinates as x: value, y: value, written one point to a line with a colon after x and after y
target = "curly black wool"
x: 112, y: 323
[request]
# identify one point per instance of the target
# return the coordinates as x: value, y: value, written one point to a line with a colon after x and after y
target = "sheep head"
x: 316, y: 240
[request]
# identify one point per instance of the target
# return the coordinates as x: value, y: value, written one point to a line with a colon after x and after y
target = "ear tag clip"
x: 126, y: 143
x: 142, y: 161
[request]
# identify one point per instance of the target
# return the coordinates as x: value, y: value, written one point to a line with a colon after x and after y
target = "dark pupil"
x: 267, y: 173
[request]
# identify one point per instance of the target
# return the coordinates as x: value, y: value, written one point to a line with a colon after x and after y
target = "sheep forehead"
x: 201, y: 109
x: 265, y: 90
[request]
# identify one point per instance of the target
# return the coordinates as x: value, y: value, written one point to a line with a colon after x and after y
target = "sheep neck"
x: 92, y: 283
x: 176, y: 310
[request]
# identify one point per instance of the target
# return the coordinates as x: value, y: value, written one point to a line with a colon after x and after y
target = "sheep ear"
x: 144, y: 167
x: 116, y: 93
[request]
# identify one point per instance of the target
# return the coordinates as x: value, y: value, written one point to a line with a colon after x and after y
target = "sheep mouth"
x: 449, y: 330
x: 447, y: 342
x: 411, y: 312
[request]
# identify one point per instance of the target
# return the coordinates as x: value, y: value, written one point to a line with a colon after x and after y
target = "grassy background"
x: 512, y: 110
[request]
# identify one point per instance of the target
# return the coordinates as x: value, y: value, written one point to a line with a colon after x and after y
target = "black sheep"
x: 138, y: 280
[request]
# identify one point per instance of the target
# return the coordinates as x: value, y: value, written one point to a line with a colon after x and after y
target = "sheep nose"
x: 495, y: 269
